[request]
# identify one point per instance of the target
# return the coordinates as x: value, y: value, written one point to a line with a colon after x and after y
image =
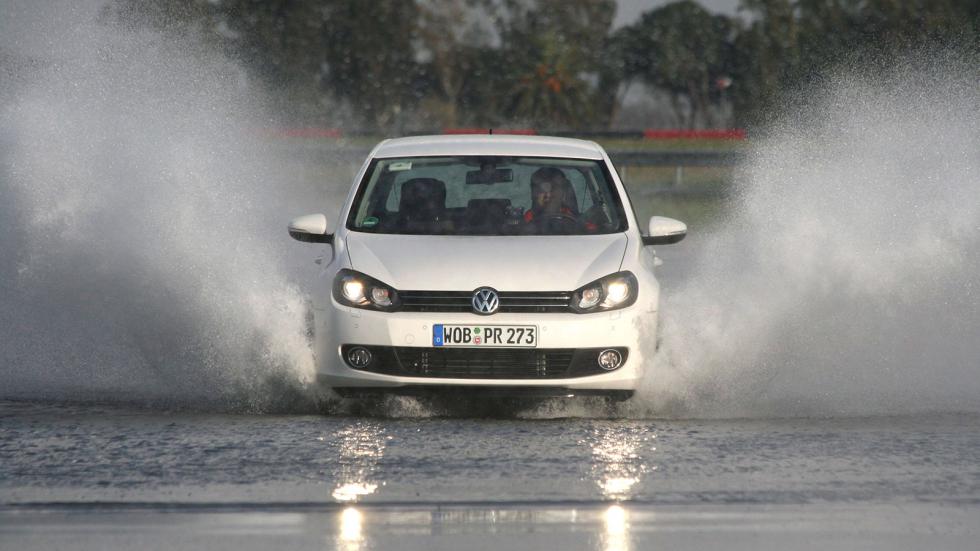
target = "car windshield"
x: 487, y: 195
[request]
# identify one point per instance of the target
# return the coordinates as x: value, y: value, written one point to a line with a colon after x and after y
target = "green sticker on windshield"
x: 370, y: 222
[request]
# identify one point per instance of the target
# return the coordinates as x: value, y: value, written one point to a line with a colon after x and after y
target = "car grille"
x: 485, y: 363
x: 461, y: 301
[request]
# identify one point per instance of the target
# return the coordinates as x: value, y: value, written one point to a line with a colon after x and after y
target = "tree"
x: 455, y: 45
x: 360, y: 53
x: 789, y: 44
x: 682, y: 49
x: 553, y: 51
x: 369, y: 57
x: 767, y: 57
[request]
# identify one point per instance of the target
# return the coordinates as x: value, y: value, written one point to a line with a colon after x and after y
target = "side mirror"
x: 311, y: 228
x: 664, y: 231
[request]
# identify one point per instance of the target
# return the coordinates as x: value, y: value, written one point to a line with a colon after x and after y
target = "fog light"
x: 610, y: 359
x: 359, y: 357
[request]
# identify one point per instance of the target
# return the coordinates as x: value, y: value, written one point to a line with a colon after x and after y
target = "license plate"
x: 509, y: 336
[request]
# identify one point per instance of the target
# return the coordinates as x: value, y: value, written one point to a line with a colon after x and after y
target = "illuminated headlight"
x: 608, y: 293
x: 361, y: 291
x: 617, y: 292
x: 353, y: 290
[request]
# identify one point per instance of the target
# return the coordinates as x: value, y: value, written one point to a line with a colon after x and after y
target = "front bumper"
x: 337, y: 325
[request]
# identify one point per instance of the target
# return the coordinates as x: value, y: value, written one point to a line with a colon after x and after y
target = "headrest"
x: 422, y: 193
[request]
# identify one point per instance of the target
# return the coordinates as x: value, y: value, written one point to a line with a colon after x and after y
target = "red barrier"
x: 512, y: 131
x: 678, y: 134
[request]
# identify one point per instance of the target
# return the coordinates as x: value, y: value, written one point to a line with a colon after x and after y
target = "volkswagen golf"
x: 509, y: 264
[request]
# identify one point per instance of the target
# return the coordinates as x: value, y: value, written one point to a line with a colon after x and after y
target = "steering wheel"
x: 559, y: 221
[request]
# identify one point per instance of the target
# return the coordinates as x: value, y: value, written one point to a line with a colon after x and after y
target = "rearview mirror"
x: 311, y: 228
x: 664, y: 231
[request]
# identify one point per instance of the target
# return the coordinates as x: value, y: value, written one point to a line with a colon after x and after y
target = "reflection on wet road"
x: 616, y: 524
x: 240, y: 482
x: 617, y: 457
x: 362, y: 446
x: 616, y: 527
x: 350, y: 536
x: 617, y: 466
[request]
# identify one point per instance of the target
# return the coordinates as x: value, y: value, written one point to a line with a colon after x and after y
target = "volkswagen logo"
x: 485, y: 301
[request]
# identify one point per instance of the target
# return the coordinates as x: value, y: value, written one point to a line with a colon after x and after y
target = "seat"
x: 569, y: 199
x: 422, y: 207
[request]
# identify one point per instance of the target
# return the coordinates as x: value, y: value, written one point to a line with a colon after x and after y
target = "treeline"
x: 394, y: 65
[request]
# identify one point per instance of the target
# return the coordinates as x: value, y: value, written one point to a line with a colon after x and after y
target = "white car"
x: 509, y: 264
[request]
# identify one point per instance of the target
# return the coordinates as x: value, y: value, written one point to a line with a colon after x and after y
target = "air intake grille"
x: 461, y: 301
x: 485, y: 363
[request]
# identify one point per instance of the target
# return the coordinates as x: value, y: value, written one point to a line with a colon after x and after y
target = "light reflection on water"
x: 617, y: 464
x: 616, y: 536
x: 350, y: 536
x: 363, y: 527
x: 617, y: 467
x: 362, y: 446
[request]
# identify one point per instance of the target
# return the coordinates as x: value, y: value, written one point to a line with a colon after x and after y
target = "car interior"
x: 422, y: 206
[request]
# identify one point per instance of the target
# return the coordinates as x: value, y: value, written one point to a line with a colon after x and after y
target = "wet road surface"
x: 106, y: 476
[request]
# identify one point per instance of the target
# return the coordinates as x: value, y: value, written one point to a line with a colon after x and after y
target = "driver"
x: 548, y: 187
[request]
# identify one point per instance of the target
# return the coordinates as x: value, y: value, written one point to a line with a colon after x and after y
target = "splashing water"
x: 143, y: 254
x: 844, y: 281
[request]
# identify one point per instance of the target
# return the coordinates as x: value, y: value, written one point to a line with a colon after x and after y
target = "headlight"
x: 353, y: 290
x: 608, y: 293
x: 381, y: 296
x: 360, y: 291
x: 617, y: 291
x: 589, y: 297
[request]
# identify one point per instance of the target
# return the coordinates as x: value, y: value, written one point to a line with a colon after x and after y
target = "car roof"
x: 485, y: 144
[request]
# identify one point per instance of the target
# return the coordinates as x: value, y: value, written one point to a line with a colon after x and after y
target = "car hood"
x: 506, y: 263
